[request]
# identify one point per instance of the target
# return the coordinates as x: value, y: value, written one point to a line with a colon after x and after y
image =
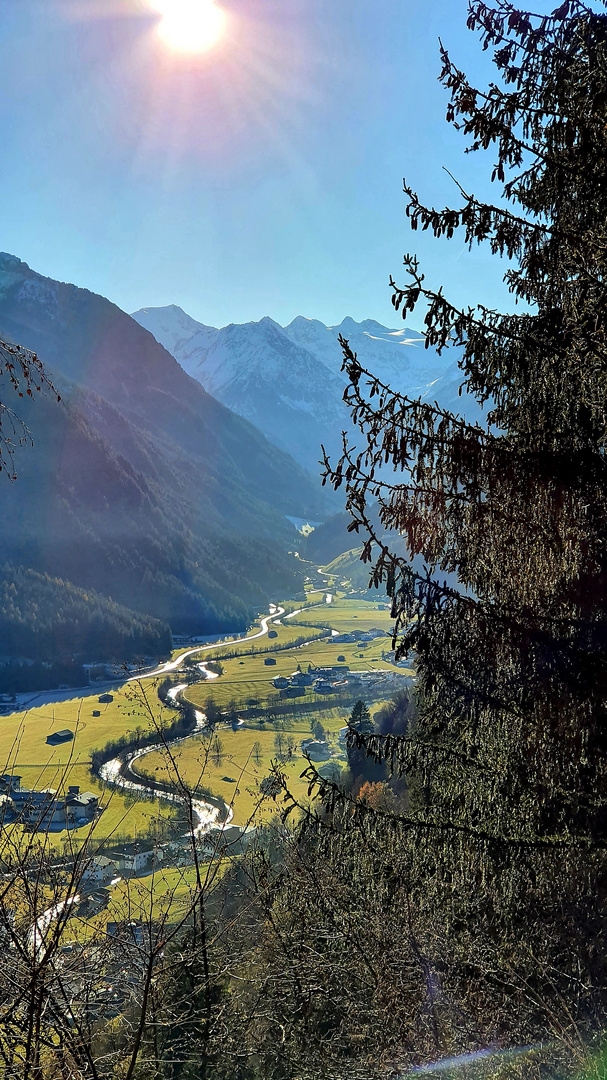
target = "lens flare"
x: 192, y: 26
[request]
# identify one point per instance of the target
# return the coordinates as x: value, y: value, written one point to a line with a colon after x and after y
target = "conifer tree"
x: 360, y: 718
x: 507, y: 763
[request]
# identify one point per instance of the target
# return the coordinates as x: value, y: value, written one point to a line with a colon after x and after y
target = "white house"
x: 132, y: 858
x: 99, y: 871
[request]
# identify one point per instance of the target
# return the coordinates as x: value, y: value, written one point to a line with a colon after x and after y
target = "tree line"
x: 44, y: 618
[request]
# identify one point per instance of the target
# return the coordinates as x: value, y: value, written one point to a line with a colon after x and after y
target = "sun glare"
x: 192, y: 26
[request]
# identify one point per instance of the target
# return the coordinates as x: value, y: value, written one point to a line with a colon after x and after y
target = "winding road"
x: 172, y: 665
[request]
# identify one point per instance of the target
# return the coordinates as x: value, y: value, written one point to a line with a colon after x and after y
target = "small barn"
x: 105, y: 699
x: 270, y: 661
x: 60, y: 737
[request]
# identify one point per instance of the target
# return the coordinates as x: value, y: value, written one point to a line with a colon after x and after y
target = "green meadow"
x: 249, y: 680
x: 246, y: 759
x: 25, y: 751
x: 345, y: 615
x: 246, y: 680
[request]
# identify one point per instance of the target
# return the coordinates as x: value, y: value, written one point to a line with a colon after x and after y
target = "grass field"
x: 246, y: 680
x: 24, y: 751
x: 286, y: 633
x: 237, y: 777
x: 344, y: 614
x: 249, y: 681
x: 169, y: 893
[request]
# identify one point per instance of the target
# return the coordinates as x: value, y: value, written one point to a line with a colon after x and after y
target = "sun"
x: 192, y: 26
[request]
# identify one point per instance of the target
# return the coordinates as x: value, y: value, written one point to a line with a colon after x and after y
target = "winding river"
x: 119, y: 771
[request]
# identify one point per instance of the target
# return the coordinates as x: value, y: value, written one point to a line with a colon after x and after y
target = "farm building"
x: 9, y: 782
x: 301, y: 678
x: 316, y: 749
x: 81, y: 806
x: 57, y: 737
x: 98, y: 872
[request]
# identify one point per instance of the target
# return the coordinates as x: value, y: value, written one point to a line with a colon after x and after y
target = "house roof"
x: 60, y: 736
x: 83, y: 799
x: 24, y: 795
x: 137, y: 847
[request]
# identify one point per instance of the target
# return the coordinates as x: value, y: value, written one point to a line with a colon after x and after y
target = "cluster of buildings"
x: 407, y: 662
x: 316, y: 749
x: 122, y: 860
x: 144, y: 856
x: 363, y: 636
x: 45, y: 809
x: 330, y: 680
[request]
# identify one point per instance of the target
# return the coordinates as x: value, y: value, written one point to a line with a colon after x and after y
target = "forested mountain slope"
x: 56, y: 620
x: 140, y: 485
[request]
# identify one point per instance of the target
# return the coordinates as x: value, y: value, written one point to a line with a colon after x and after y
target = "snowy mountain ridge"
x: 287, y: 380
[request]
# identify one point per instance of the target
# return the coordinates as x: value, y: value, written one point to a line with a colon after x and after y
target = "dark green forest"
x: 49, y: 628
x: 48, y: 618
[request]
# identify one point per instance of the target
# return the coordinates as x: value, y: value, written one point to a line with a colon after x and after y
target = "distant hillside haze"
x: 140, y: 484
x: 293, y: 373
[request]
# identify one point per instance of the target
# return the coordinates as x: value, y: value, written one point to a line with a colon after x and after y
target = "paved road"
x: 172, y: 665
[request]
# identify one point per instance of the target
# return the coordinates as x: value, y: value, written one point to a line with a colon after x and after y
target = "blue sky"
x: 264, y: 177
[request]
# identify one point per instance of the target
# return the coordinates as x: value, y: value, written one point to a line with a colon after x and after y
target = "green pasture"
x: 246, y: 679
x: 249, y: 680
x: 25, y: 751
x: 286, y: 634
x: 345, y: 615
x: 168, y: 893
x: 236, y: 778
x: 285, y: 631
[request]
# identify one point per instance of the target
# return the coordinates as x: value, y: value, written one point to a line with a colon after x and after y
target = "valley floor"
x: 260, y: 725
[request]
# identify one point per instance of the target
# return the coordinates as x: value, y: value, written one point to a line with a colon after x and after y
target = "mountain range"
x: 171, y: 476
x: 140, y: 485
x: 292, y: 375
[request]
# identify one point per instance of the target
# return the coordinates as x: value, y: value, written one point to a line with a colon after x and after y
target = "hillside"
x: 140, y: 485
x: 50, y: 618
x: 348, y: 569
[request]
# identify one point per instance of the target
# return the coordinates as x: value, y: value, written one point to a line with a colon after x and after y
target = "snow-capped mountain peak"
x: 170, y: 325
x: 288, y: 380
